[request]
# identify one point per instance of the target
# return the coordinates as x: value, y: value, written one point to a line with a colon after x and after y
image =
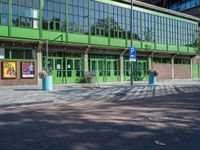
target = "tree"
x: 196, y: 43
x: 148, y: 38
x: 101, y: 27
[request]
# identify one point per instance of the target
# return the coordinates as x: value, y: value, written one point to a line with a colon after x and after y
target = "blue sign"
x: 132, y: 54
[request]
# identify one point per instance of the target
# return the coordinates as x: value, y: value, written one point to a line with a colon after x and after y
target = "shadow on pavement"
x: 131, y: 124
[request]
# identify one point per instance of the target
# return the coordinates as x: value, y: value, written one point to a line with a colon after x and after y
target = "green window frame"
x: 54, y: 15
x: 182, y: 61
x: 99, y: 19
x: 117, y: 22
x: 4, y: 11
x: 22, y: 54
x: 26, y: 13
x: 147, y: 27
x: 160, y: 60
x: 78, y: 16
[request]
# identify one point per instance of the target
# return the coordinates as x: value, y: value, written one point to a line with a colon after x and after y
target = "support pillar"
x: 150, y: 62
x: 39, y: 62
x: 86, y: 64
x: 191, y: 68
x: 173, y: 68
x: 121, y: 68
x: 122, y: 65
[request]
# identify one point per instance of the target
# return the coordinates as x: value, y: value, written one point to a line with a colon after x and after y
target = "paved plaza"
x: 115, y: 116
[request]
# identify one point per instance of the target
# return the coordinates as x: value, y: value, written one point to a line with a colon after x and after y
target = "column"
x: 150, y: 62
x: 191, y: 69
x: 173, y: 68
x: 121, y: 68
x: 39, y: 61
x: 86, y: 64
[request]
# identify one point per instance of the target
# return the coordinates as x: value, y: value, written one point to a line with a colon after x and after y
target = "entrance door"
x: 127, y: 70
x: 112, y: 70
x: 101, y: 72
x: 139, y: 70
x: 55, y: 65
x: 141, y: 73
x: 58, y: 72
x: 73, y: 70
x: 116, y: 70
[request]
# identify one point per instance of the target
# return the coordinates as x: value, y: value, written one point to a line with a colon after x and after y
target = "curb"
x: 24, y: 104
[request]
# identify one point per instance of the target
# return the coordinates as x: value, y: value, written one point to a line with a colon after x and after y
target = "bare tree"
x: 196, y: 43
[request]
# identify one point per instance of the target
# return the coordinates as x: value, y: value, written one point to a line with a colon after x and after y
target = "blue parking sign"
x: 132, y: 54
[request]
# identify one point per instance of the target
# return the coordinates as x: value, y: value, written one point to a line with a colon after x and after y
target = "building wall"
x: 10, y: 30
x: 182, y: 71
x: 19, y: 80
x: 164, y: 70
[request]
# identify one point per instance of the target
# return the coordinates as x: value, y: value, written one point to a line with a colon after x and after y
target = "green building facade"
x: 93, y: 35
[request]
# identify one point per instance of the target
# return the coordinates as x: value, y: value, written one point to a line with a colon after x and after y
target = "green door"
x: 101, y: 72
x: 195, y: 71
x: 97, y: 66
x: 112, y: 70
x: 56, y: 66
x: 127, y: 70
x: 106, y: 69
x: 73, y: 70
x: 78, y: 69
x: 141, y: 71
x: 116, y: 70
x: 109, y: 71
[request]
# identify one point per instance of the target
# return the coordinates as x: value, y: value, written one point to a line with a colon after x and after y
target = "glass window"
x: 7, y: 53
x: 17, y: 54
x: 21, y: 54
x: 4, y: 20
x: 78, y: 17
x: 54, y: 15
x: 117, y: 22
x: 25, y: 13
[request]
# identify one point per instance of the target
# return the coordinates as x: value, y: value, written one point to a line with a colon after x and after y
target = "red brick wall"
x: 164, y: 70
x: 182, y: 71
x: 18, y: 80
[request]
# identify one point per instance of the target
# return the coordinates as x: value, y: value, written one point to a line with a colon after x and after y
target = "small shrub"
x: 153, y: 72
x: 44, y: 73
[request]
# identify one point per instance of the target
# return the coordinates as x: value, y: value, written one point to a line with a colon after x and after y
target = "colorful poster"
x: 9, y: 69
x: 28, y: 69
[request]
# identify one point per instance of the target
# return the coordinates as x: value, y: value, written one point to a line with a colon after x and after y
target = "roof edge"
x: 160, y: 9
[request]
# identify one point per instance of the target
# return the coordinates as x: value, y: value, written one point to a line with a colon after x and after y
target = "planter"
x: 47, y: 83
x: 152, y: 78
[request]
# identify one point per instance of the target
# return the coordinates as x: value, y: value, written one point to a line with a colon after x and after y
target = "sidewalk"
x: 80, y: 119
x: 18, y: 95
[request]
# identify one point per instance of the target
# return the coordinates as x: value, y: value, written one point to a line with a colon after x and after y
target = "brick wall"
x: 18, y: 80
x: 182, y: 71
x: 164, y: 70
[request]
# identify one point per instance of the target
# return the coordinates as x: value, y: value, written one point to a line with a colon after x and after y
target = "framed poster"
x: 9, y: 69
x: 28, y: 69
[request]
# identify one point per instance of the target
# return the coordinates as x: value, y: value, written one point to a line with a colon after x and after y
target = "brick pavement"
x: 131, y: 123
x: 15, y: 95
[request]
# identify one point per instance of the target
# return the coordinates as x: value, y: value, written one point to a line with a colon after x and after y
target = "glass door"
x: 73, y: 69
x: 116, y: 70
x: 55, y: 66
x: 141, y: 72
x: 69, y: 71
x: 78, y: 71
x: 109, y: 70
x: 58, y: 71
x: 101, y: 71
x: 127, y: 70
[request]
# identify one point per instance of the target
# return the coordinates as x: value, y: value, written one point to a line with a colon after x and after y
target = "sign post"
x: 132, y: 53
x: 132, y: 58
